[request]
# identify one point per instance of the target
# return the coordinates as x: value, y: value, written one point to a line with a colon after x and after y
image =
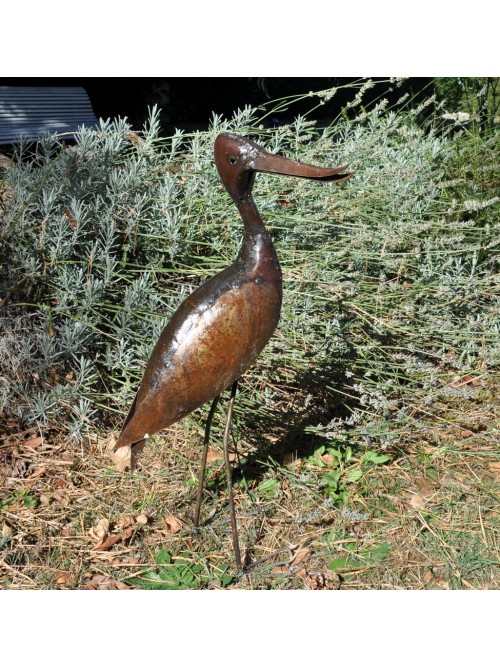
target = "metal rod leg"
x: 203, y: 465
x: 232, y: 512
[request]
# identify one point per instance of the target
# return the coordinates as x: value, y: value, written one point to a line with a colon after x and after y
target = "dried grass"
x: 435, y: 507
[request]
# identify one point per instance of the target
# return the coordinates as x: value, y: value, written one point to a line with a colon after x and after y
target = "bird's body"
x: 211, y: 340
x: 221, y: 328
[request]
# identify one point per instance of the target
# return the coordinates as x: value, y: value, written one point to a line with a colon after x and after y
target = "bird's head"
x: 238, y: 159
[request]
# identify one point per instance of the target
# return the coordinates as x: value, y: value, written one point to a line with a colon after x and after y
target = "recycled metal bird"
x: 221, y: 328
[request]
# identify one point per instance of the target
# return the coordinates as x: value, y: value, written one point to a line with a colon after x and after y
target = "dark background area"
x: 188, y: 103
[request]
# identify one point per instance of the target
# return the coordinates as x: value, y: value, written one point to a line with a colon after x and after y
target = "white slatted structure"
x: 35, y: 111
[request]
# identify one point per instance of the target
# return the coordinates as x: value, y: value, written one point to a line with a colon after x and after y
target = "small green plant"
x: 21, y: 497
x: 29, y: 501
x: 359, y: 558
x: 178, y: 573
x: 268, y: 488
x: 344, y: 468
x: 374, y: 457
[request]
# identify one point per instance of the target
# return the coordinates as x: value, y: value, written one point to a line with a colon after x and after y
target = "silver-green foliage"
x: 389, y: 281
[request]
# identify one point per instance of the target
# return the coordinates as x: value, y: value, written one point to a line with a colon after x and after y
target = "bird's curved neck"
x: 257, y: 252
x: 251, y: 218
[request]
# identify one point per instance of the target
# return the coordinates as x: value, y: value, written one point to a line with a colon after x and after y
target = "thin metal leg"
x: 204, y: 462
x: 232, y: 512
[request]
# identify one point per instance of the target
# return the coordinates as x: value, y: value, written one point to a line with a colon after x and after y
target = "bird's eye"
x: 232, y: 159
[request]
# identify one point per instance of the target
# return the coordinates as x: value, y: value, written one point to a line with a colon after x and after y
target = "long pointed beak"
x: 276, y: 164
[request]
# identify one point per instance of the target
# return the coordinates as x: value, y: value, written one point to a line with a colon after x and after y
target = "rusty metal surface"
x: 221, y: 328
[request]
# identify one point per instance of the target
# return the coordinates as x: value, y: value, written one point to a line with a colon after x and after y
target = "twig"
x: 13, y: 569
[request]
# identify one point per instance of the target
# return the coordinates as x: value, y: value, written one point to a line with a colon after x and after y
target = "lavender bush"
x: 391, y: 283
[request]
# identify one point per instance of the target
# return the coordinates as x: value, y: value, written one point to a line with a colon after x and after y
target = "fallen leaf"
x: 416, y: 501
x: 316, y: 582
x: 127, y: 533
x: 428, y: 577
x: 100, y: 582
x: 37, y: 473
x: 7, y: 530
x: 19, y: 468
x: 33, y: 443
x: 109, y: 442
x: 63, y: 578
x: 290, y: 460
x: 495, y: 466
x: 462, y: 379
x: 431, y: 580
x: 126, y: 522
x: 122, y: 458
x: 54, y: 376
x: 426, y: 486
x: 107, y: 542
x: 301, y: 556
x: 125, y: 561
x: 213, y: 455
x: 134, y: 138
x: 467, y: 379
x: 172, y: 524
x: 100, y: 531
x: 96, y: 580
x: 466, y: 433
x: 61, y: 498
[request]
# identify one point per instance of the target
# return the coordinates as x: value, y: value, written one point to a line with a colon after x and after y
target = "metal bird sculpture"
x: 221, y: 328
